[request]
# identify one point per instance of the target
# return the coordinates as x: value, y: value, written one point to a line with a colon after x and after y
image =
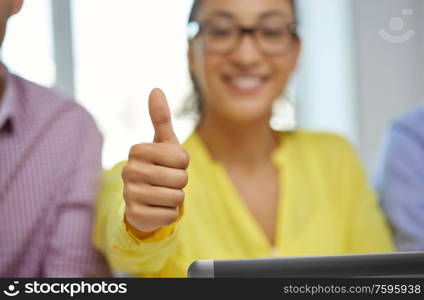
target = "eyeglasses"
x: 274, y: 36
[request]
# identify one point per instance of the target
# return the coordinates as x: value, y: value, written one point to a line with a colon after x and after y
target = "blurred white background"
x: 109, y: 54
x: 28, y: 47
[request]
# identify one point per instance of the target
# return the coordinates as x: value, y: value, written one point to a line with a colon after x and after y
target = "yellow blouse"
x: 325, y: 208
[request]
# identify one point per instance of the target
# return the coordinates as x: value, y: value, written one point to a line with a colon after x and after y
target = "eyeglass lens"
x: 273, y: 34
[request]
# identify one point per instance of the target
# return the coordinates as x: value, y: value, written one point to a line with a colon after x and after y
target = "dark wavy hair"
x: 194, y: 103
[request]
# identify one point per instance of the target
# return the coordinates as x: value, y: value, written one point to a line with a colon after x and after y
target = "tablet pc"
x: 402, y: 264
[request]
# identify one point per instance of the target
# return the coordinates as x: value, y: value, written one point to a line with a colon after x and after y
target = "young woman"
x: 252, y: 191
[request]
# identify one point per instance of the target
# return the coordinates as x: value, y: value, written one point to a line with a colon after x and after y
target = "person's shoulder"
x: 47, y: 104
x: 330, y: 152
x: 413, y: 116
x: 193, y: 144
x: 329, y: 149
x: 36, y: 94
x: 190, y: 140
x: 318, y: 140
x: 411, y: 122
x: 115, y: 170
x: 111, y: 178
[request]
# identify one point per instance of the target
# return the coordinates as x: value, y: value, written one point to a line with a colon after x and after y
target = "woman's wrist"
x: 141, y: 235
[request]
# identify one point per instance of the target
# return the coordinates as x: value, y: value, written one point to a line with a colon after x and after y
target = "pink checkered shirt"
x: 50, y: 162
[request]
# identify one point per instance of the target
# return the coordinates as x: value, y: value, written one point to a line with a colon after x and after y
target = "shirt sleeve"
x: 368, y: 231
x: 124, y: 251
x: 70, y: 251
x: 400, y: 182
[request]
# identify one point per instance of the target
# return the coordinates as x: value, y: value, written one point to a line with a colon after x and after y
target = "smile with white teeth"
x: 246, y: 82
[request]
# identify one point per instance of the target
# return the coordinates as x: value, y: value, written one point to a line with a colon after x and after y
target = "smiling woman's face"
x: 240, y: 85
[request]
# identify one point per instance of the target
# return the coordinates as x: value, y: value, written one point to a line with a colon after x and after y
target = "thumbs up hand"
x: 155, y: 174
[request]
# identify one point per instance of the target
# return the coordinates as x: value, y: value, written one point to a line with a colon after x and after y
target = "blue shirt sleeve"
x: 400, y: 182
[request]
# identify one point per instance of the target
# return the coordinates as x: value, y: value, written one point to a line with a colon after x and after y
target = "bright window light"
x: 123, y: 49
x: 28, y: 47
